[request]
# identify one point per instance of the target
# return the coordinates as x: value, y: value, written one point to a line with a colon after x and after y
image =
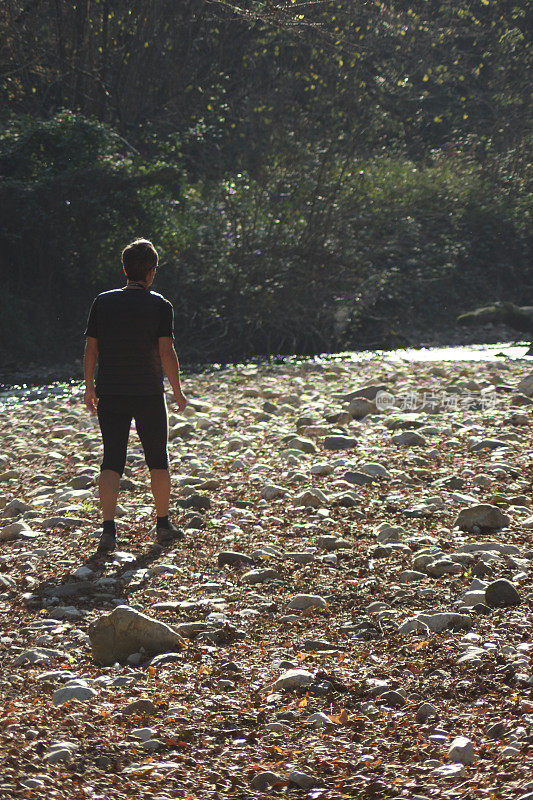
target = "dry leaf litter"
x: 349, y: 614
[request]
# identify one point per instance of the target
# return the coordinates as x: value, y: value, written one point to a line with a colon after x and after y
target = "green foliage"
x: 70, y: 198
x: 271, y: 265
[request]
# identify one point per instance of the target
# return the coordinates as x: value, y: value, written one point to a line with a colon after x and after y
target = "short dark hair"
x: 138, y: 258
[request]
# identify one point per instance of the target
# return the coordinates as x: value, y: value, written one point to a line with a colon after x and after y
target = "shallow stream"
x: 24, y: 393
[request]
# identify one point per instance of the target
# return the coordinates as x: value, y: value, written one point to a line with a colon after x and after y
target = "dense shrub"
x: 322, y: 256
x: 70, y: 196
x: 319, y: 252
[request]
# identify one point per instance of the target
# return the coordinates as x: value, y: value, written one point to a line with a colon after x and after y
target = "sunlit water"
x: 503, y: 351
x: 473, y: 352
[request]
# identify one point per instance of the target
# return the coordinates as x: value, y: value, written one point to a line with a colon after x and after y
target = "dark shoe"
x: 165, y: 536
x: 107, y: 543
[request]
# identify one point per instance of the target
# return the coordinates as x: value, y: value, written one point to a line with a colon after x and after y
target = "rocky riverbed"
x: 349, y: 615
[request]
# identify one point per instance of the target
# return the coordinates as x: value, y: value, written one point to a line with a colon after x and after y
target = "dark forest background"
x: 316, y: 175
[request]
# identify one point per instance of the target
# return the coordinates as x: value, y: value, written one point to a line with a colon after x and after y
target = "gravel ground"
x: 357, y: 565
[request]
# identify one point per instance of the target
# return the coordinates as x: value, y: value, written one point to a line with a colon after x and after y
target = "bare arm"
x: 89, y: 365
x: 169, y: 362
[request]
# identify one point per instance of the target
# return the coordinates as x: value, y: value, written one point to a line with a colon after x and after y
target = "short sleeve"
x: 91, y: 329
x: 166, y: 320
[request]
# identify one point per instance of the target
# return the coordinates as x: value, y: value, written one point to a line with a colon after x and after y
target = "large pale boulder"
x: 483, y: 516
x: 124, y: 631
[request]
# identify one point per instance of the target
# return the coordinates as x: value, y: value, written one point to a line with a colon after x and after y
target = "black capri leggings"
x: 115, y: 412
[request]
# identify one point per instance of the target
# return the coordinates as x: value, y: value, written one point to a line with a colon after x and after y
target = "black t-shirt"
x: 128, y: 323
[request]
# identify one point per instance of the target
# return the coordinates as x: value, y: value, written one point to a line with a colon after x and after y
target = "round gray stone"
x: 501, y: 593
x: 264, y: 780
x: 393, y: 699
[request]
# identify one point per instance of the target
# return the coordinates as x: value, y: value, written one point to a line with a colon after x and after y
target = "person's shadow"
x: 88, y: 592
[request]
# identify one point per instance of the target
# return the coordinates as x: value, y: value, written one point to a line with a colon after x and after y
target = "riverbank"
x: 338, y: 592
x: 33, y: 374
x: 59, y: 381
